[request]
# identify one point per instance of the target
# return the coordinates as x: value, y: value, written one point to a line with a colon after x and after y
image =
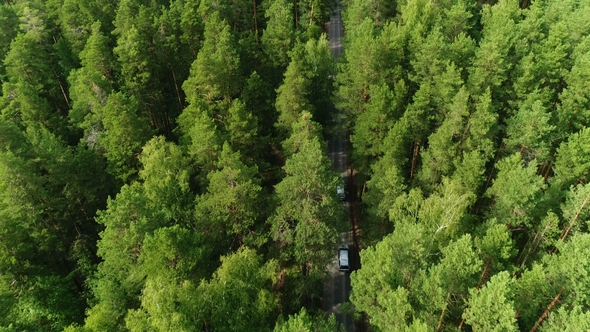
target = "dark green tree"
x: 9, y: 28
x: 279, y: 35
x: 125, y: 132
x: 91, y: 85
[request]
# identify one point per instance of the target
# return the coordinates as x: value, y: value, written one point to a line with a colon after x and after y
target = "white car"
x: 343, y: 258
x: 341, y: 192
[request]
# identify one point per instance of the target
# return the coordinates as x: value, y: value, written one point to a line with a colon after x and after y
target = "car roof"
x: 343, y: 257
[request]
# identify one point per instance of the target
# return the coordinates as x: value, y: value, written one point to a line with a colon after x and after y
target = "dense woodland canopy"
x: 469, y: 126
x: 163, y: 164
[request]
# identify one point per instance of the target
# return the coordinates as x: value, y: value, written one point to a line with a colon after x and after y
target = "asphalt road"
x: 336, y: 31
x: 337, y: 288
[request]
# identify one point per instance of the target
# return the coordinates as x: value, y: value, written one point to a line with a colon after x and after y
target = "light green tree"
x: 304, y: 322
x: 215, y: 74
x: 230, y: 209
x: 293, y: 94
x: 125, y: 132
x: 491, y: 308
x: 516, y: 192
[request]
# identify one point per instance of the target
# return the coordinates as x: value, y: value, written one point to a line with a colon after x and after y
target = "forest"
x: 164, y: 166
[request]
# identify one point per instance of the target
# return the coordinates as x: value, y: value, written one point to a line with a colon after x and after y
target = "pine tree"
x: 491, y: 308
x: 279, y: 35
x: 8, y: 26
x: 304, y: 322
x: 293, y: 94
x: 229, y: 210
x: 516, y: 192
x: 31, y: 90
x: 77, y: 17
x: 91, y: 85
x: 215, y: 74
x: 125, y: 132
x: 309, y: 214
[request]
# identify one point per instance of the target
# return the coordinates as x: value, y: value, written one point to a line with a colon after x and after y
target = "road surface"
x: 337, y: 289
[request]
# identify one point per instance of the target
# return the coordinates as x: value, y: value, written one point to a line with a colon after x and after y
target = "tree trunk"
x: 573, y: 221
x: 296, y: 15
x: 414, y: 159
x: 442, y: 315
x: 311, y: 16
x: 62, y: 90
x: 255, y: 20
x: 176, y: 86
x: 547, y: 172
x: 546, y: 313
x: 485, y: 273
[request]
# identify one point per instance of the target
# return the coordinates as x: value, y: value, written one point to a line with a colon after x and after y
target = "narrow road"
x: 337, y: 288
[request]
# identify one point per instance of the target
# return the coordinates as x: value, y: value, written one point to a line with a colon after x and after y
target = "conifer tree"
x: 491, y: 308
x: 215, y: 74
x: 309, y: 215
x: 8, y: 26
x: 91, y: 85
x: 229, y: 210
x: 125, y: 132
x: 279, y: 35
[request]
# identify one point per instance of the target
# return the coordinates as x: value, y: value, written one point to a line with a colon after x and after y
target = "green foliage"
x: 239, y: 15
x: 231, y: 205
x: 573, y: 111
x: 214, y: 75
x: 386, y: 268
x: 516, y: 192
x: 309, y: 212
x: 46, y: 230
x: 30, y: 94
x: 165, y: 178
x: 148, y: 234
x: 558, y: 276
x: 567, y: 321
x: 8, y: 26
x: 279, y: 34
x: 491, y: 308
x: 529, y: 130
x: 371, y: 59
x: 372, y: 125
x: 200, y: 135
x: 125, y: 132
x: 309, y: 215
x: 493, y: 58
x: 91, y: 85
x: 304, y: 322
x: 292, y: 95
x: 242, y: 127
x: 307, y: 85
x: 378, y: 10
x: 77, y: 17
x: 572, y: 162
x: 241, y: 286
x: 468, y: 125
x: 495, y: 247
